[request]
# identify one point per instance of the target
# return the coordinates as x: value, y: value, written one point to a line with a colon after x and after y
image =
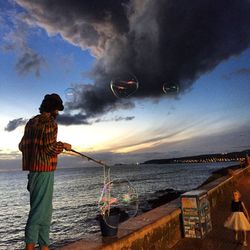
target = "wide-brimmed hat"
x: 52, y: 102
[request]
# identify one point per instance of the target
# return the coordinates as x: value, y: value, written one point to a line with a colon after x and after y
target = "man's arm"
x: 50, y: 145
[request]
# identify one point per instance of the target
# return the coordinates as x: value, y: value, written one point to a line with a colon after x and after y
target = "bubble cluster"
x: 124, y: 86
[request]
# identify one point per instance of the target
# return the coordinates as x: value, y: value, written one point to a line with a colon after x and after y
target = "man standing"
x: 40, y: 148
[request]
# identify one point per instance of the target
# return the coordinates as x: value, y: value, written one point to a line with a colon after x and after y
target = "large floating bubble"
x: 170, y: 88
x: 124, y: 86
x: 120, y: 195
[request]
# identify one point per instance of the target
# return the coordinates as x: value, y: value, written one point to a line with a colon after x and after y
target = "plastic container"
x: 109, y: 222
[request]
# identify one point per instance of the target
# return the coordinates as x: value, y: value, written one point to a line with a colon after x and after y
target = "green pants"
x: 40, y: 186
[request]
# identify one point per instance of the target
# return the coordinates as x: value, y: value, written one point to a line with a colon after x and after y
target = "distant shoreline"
x: 206, y: 158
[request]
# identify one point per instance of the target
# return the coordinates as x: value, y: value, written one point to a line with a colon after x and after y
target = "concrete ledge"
x: 160, y: 228
x: 141, y: 230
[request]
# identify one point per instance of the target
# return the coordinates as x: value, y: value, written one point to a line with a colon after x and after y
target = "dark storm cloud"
x: 88, y: 24
x: 161, y: 41
x: 63, y: 119
x: 93, y: 100
x: 12, y: 125
x: 67, y: 119
x: 79, y: 119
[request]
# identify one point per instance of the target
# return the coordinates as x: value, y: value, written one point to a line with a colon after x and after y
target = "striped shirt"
x: 39, y: 144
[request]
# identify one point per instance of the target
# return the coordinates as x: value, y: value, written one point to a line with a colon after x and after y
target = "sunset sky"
x: 51, y: 46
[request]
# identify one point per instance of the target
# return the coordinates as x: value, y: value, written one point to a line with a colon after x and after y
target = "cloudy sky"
x: 199, y: 48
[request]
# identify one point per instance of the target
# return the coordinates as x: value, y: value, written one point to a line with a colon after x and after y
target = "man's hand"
x: 67, y: 146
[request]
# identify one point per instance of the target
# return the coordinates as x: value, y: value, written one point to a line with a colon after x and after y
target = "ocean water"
x: 76, y: 195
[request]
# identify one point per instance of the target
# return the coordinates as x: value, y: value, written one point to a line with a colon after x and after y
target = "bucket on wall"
x: 109, y: 222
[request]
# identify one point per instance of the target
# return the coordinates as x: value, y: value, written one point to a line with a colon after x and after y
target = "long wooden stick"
x: 89, y: 158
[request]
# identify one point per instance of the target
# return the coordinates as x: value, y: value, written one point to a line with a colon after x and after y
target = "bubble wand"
x: 129, y: 201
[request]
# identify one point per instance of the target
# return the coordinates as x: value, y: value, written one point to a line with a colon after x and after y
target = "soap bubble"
x: 70, y: 94
x: 120, y: 195
x: 170, y: 88
x: 124, y: 86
